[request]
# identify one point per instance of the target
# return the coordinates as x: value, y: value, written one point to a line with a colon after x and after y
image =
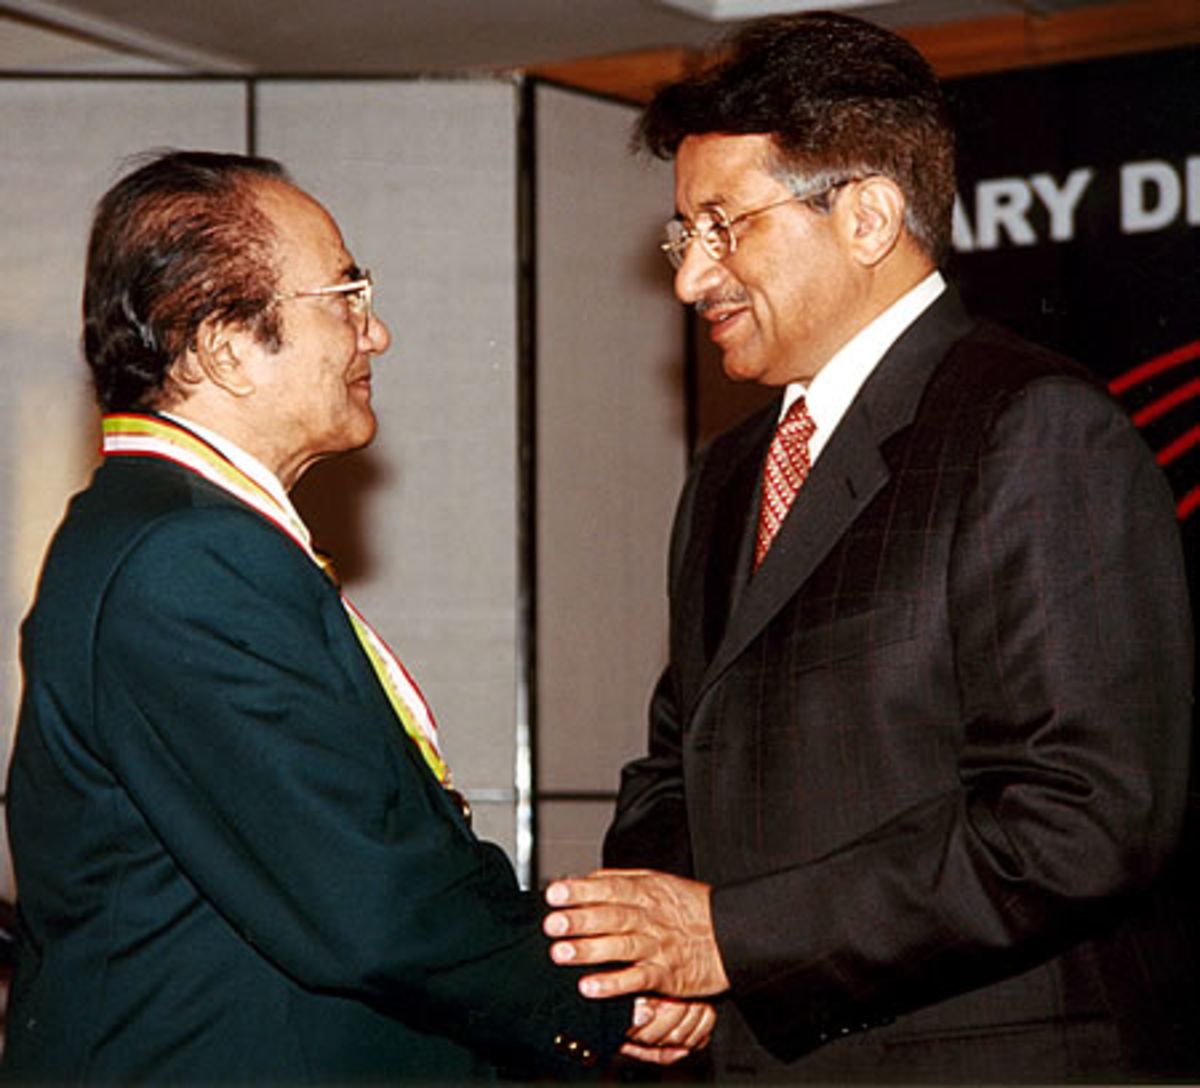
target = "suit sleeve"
x: 248, y: 729
x: 1072, y: 655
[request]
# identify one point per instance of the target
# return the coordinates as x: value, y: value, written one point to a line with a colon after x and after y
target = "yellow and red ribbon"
x: 137, y: 435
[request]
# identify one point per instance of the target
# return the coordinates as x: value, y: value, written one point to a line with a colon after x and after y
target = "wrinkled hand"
x: 666, y: 1031
x: 660, y: 925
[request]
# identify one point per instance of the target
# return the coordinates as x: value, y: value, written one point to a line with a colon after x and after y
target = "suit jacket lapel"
x: 850, y: 472
x: 716, y: 510
x: 840, y: 486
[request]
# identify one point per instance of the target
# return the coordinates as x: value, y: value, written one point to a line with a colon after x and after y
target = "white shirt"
x: 837, y: 383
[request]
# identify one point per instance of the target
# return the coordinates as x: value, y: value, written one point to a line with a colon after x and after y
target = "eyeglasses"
x: 358, y: 293
x: 714, y: 231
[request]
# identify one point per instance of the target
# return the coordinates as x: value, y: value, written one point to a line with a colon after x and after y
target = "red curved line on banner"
x: 1163, y: 405
x: 1188, y: 504
x: 1155, y: 366
x: 1179, y: 447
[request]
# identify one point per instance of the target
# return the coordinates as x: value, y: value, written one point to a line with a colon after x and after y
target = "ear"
x: 220, y: 357
x: 876, y: 208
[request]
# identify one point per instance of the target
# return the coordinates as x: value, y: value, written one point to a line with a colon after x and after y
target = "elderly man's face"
x: 316, y: 390
x: 787, y: 298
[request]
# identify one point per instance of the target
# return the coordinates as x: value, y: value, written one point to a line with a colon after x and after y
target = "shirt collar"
x: 246, y: 462
x: 836, y: 385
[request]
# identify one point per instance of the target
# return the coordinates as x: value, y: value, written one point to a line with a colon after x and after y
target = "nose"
x: 697, y: 276
x: 376, y: 338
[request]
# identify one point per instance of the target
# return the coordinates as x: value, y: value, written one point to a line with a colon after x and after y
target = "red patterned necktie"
x: 784, y: 472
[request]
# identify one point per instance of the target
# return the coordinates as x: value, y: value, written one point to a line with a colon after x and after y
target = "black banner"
x: 1079, y: 225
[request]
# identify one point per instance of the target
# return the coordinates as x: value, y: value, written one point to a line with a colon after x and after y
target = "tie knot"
x: 797, y: 422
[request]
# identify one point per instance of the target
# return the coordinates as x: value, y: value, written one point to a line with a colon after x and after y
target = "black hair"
x: 839, y: 96
x: 179, y: 239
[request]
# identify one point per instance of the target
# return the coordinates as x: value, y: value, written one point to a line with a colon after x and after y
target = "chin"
x: 741, y: 373
x: 359, y: 432
x: 368, y: 434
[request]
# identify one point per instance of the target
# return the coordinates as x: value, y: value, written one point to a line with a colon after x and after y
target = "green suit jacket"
x: 233, y: 866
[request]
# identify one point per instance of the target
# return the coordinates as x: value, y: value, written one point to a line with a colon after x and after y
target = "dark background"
x: 1112, y: 300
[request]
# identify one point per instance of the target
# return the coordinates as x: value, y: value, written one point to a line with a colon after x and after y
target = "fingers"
x: 602, y: 886
x: 664, y: 1022
x: 654, y: 1055
x: 604, y: 916
x: 702, y: 1028
x: 655, y: 1021
x: 637, y: 979
x: 627, y: 948
x: 694, y: 1029
x: 659, y: 923
x: 668, y: 1031
x: 610, y: 934
x: 593, y: 919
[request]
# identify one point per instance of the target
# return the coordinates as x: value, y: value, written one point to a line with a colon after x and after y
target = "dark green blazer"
x: 233, y: 865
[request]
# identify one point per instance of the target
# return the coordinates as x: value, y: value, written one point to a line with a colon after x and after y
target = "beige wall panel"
x: 422, y: 177
x: 569, y: 837
x: 610, y: 438
x: 64, y: 144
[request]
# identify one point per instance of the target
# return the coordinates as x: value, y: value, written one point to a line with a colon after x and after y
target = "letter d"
x: 1151, y: 196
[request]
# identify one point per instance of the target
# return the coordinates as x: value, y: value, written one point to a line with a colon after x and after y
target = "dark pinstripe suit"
x: 933, y: 755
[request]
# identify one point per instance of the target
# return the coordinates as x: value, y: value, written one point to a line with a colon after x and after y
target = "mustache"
x: 712, y: 302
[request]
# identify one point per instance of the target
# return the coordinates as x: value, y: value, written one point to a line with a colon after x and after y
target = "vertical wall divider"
x: 526, y: 681
x: 251, y: 116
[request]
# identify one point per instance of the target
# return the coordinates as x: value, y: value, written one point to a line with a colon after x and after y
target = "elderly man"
x: 238, y: 853
x: 920, y: 756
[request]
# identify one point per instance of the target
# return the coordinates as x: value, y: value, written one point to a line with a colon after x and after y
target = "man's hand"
x: 660, y: 925
x: 666, y: 1031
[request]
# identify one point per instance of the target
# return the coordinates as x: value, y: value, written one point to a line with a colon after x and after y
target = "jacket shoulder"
x: 994, y: 359
x: 136, y: 500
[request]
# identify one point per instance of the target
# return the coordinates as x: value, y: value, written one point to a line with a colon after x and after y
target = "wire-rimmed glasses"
x: 714, y: 227
x: 359, y: 295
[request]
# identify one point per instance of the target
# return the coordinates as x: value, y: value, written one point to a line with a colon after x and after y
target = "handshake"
x: 660, y: 928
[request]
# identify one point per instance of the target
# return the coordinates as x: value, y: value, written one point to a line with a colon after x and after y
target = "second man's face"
x: 318, y: 385
x: 777, y: 307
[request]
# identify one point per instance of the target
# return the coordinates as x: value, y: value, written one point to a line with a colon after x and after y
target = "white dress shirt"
x: 837, y: 383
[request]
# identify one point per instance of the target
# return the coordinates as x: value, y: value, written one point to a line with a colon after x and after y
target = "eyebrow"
x: 352, y: 272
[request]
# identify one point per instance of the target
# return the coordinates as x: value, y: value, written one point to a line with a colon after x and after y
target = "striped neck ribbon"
x: 129, y: 434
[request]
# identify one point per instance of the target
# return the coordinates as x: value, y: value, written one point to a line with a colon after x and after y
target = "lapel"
x: 850, y: 472
x: 718, y: 508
